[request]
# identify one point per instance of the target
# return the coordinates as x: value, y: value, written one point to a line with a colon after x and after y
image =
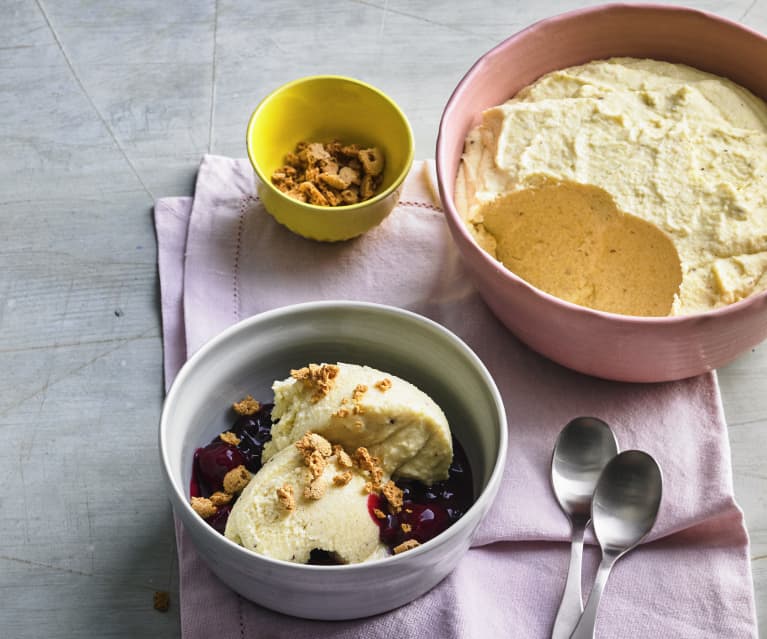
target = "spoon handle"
x: 587, y: 622
x: 571, y: 606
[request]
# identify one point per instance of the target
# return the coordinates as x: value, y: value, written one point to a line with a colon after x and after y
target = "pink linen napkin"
x: 223, y: 258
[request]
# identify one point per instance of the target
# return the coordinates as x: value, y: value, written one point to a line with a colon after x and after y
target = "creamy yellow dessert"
x: 633, y: 186
x: 291, y: 527
x: 394, y: 420
x: 342, y: 431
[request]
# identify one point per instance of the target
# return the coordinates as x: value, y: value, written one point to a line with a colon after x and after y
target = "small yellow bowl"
x: 321, y: 109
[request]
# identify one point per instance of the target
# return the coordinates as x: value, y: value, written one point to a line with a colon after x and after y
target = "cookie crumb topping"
x: 203, y: 507
x: 341, y: 479
x: 383, y: 384
x: 246, y: 406
x: 408, y: 544
x: 286, y: 498
x: 220, y: 498
x: 236, y: 479
x: 315, y: 489
x: 321, y: 379
x: 358, y: 392
x: 342, y: 457
x: 229, y: 438
x: 316, y: 463
x: 315, y: 450
x: 394, y: 495
x: 372, y: 465
x: 312, y: 442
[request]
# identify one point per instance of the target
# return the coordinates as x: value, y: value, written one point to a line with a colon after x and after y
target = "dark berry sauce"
x: 426, y: 510
x: 213, y: 461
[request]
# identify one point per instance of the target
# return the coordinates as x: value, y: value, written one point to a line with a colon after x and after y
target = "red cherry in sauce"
x: 214, y: 461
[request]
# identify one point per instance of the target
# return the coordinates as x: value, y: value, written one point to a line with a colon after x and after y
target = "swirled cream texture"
x: 684, y: 150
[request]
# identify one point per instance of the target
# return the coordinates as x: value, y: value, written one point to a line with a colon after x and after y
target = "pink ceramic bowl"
x: 607, y: 345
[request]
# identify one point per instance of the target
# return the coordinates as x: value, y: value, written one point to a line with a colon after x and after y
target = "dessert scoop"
x: 583, y: 448
x: 623, y: 511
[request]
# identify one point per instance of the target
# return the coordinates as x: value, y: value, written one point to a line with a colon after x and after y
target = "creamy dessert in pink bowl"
x: 627, y: 185
x: 700, y: 311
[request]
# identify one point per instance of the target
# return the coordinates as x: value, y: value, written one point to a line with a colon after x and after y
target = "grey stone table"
x: 105, y: 106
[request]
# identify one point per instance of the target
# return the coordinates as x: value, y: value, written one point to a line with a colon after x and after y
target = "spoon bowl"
x: 626, y: 501
x: 583, y: 448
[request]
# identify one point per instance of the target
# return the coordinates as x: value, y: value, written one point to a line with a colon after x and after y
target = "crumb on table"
x: 161, y: 600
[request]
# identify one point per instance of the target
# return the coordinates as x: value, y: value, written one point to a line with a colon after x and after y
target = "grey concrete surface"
x: 105, y: 106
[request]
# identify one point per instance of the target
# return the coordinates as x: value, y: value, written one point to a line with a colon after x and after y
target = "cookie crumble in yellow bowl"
x: 322, y: 109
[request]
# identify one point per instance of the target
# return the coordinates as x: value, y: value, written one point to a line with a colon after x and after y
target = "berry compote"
x: 213, y: 461
x: 426, y: 510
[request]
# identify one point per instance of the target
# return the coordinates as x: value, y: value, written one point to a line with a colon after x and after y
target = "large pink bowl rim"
x: 738, y: 53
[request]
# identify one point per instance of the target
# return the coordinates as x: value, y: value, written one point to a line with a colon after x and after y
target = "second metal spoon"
x: 625, y: 505
x: 582, y: 450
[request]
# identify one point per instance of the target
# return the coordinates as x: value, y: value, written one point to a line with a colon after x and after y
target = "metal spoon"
x: 623, y: 511
x: 582, y: 450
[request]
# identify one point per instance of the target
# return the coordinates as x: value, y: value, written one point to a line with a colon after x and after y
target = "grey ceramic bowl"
x: 247, y: 358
